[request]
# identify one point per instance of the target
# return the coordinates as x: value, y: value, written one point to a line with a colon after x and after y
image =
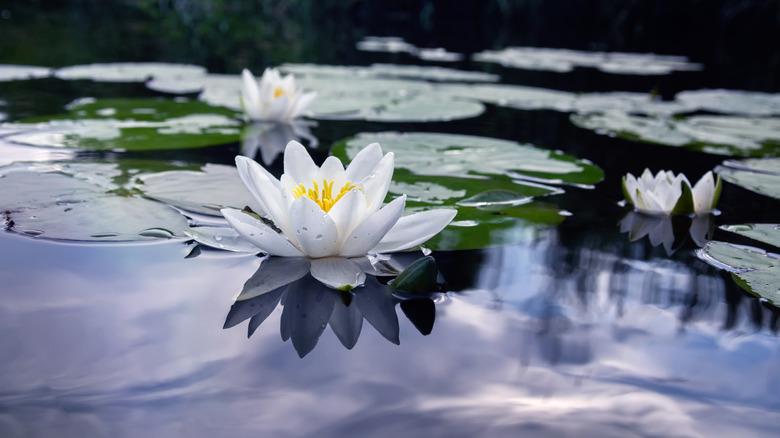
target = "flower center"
x: 324, y: 197
x: 278, y: 92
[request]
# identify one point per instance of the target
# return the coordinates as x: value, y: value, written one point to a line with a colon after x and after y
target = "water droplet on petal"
x: 156, y: 232
x: 318, y: 237
x: 217, y: 237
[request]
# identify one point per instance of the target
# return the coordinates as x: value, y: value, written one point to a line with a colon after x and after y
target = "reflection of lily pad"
x: 755, y: 270
x: 128, y: 72
x: 761, y: 175
x: 131, y: 124
x: 57, y: 206
x: 724, y: 135
x: 206, y: 191
x: 481, y: 178
x: 766, y: 233
x: 17, y: 72
x: 564, y: 60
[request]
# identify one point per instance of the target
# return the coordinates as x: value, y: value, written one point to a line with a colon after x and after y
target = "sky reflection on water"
x: 548, y: 340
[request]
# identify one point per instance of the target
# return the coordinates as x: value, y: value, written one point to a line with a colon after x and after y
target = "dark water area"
x: 576, y: 330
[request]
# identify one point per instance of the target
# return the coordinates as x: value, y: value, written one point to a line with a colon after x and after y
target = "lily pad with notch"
x: 755, y: 270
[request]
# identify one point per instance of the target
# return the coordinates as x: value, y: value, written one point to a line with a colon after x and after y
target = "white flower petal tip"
x: 670, y: 194
x: 273, y: 98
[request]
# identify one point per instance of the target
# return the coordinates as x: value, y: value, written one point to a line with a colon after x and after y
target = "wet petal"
x: 373, y: 229
x: 375, y: 185
x: 364, y: 162
x: 265, y: 188
x: 221, y: 238
x: 350, y: 211
x: 415, y: 229
x: 298, y: 163
x: 316, y: 232
x: 337, y: 273
x: 260, y: 234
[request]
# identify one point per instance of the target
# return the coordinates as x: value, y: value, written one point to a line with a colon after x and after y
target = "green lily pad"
x: 722, y: 135
x: 431, y: 73
x: 205, y: 191
x: 20, y: 72
x: 494, y: 184
x: 58, y: 206
x: 755, y: 270
x: 766, y: 233
x: 128, y: 71
x: 750, y: 103
x: 564, y: 61
x: 761, y: 175
x: 132, y: 125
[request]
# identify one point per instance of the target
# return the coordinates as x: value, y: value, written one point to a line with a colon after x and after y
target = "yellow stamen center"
x: 278, y: 92
x: 324, y: 198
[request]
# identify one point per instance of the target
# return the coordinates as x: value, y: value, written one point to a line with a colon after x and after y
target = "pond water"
x: 556, y: 310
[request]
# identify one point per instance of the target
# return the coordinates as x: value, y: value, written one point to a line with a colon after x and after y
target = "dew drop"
x: 156, y: 232
x: 102, y: 235
x: 33, y: 232
x: 217, y: 237
x: 318, y: 237
x: 304, y: 229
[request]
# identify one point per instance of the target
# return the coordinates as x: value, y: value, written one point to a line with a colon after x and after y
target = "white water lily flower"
x: 668, y: 194
x: 331, y: 215
x: 274, y: 98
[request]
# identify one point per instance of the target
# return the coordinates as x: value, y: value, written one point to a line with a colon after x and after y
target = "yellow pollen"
x: 324, y: 198
x: 278, y: 92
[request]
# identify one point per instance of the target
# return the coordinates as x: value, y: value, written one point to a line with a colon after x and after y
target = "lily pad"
x: 206, y: 191
x: 131, y: 124
x: 494, y: 184
x: 766, y: 233
x: 751, y: 103
x: 564, y: 61
x: 755, y: 270
x: 128, y: 71
x: 722, y: 135
x: 20, y: 72
x: 58, y: 206
x: 761, y: 175
x: 430, y: 73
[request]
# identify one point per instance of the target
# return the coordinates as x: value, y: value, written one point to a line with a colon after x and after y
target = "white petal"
x: 415, y: 229
x: 373, y: 229
x: 703, y: 193
x: 265, y: 188
x: 277, y: 109
x: 260, y: 234
x: 250, y: 93
x: 376, y: 184
x: 298, y: 163
x: 316, y: 233
x: 332, y: 170
x: 221, y: 238
x: 364, y: 162
x: 337, y: 273
x: 301, y: 103
x: 350, y: 211
x: 274, y: 272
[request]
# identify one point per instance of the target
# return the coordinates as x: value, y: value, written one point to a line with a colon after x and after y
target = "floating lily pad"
x: 755, y: 270
x: 131, y: 124
x: 766, y: 233
x: 750, y: 103
x: 19, y: 72
x: 494, y: 184
x: 564, y: 60
x: 722, y: 135
x: 761, y: 175
x: 58, y: 206
x: 206, y: 191
x: 128, y: 71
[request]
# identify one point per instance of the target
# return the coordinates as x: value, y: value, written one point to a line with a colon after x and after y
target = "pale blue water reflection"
x: 546, y: 340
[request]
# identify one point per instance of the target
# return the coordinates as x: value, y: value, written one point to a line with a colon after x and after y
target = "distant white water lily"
x: 666, y: 194
x: 330, y: 215
x: 274, y: 98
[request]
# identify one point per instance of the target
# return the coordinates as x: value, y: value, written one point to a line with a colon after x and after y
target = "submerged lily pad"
x: 761, y: 175
x: 206, y: 191
x: 722, y: 135
x: 128, y: 71
x: 58, y: 206
x: 564, y: 60
x: 131, y: 124
x: 755, y: 270
x: 494, y: 184
x: 19, y: 72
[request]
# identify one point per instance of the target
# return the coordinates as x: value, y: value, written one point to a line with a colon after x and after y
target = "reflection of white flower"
x: 668, y: 194
x: 270, y: 138
x: 275, y: 98
x: 671, y: 232
x: 328, y: 214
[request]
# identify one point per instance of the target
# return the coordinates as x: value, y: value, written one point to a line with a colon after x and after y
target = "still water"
x: 582, y: 329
